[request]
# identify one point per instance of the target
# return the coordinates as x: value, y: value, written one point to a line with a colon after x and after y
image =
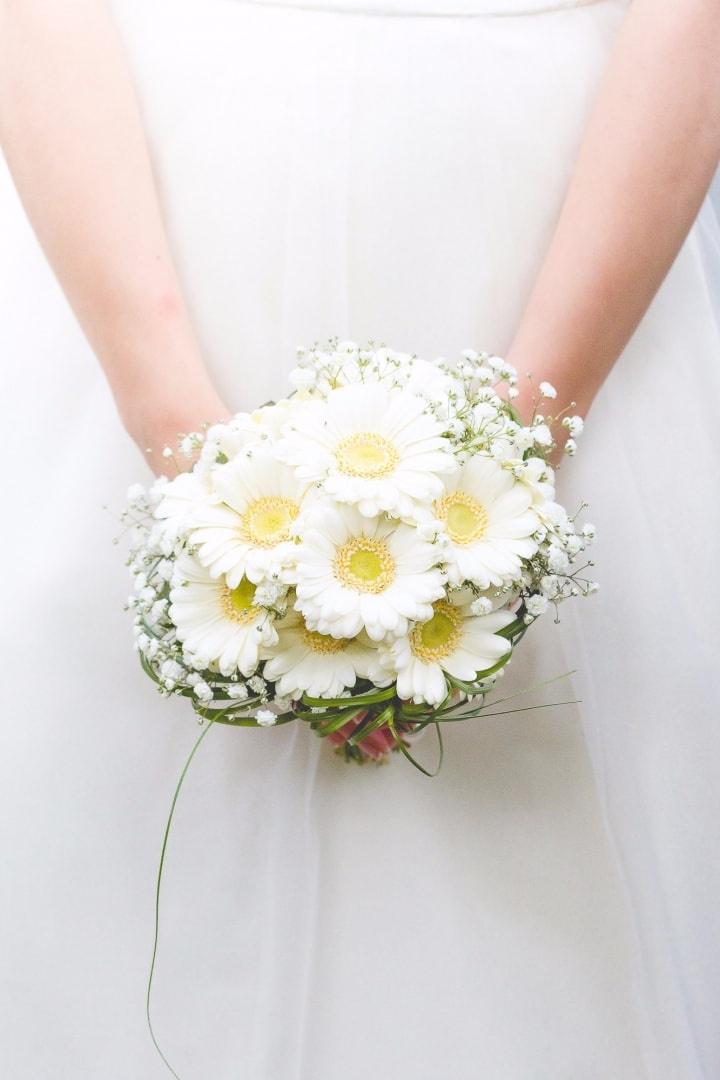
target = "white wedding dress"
x: 386, y: 169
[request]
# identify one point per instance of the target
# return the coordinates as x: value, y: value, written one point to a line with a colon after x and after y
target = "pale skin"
x: 648, y: 154
x: 72, y: 134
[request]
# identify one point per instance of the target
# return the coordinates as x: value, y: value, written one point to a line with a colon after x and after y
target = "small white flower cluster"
x: 391, y: 524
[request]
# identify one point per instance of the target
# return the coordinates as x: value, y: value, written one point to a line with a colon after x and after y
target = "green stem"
x: 179, y: 785
x: 400, y: 745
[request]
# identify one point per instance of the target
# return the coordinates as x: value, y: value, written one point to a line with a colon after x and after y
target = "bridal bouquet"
x: 362, y: 556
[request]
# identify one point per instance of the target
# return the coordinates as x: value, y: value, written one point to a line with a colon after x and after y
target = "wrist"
x: 159, y: 420
x: 551, y: 392
x: 570, y: 367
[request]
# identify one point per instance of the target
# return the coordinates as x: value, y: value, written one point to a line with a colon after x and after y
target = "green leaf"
x: 331, y: 726
x: 247, y: 721
x: 511, y: 629
x: 232, y: 717
x: 454, y: 718
x: 371, y: 725
x: 411, y: 709
x: 358, y: 699
x: 148, y: 669
x: 495, y: 667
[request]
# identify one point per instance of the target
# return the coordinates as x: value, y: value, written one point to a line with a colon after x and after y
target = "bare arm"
x: 646, y: 161
x: 72, y: 135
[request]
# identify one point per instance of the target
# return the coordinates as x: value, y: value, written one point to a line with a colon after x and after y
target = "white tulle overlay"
x: 324, y: 173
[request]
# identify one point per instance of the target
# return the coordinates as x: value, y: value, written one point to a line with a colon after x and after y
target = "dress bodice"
x: 448, y: 8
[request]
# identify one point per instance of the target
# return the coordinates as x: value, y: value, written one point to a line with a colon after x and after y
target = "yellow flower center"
x: 365, y: 565
x: 323, y: 643
x: 440, y: 635
x: 268, y: 521
x: 366, y: 455
x: 466, y: 518
x: 237, y: 604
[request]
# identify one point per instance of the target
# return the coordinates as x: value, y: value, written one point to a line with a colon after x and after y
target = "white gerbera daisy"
x: 222, y: 442
x: 308, y: 662
x: 488, y: 517
x: 453, y: 641
x: 371, y: 446
x: 181, y: 497
x: 355, y: 572
x: 218, y: 624
x: 249, y: 530
x: 267, y: 422
x: 539, y: 477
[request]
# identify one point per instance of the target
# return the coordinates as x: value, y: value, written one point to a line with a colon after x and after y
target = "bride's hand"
x: 530, y: 403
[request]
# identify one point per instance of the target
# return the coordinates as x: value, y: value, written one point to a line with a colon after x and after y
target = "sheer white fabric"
x: 708, y: 233
x: 647, y: 669
x: 441, y: 8
x: 394, y: 178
